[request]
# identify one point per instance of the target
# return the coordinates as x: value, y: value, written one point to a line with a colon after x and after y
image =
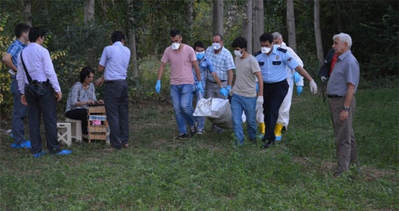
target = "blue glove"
x: 200, y: 88
x: 223, y: 91
x: 297, y: 77
x: 158, y: 86
x: 257, y: 87
x: 228, y: 87
x: 299, y: 90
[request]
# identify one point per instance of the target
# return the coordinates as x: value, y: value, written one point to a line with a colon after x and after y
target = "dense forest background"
x: 79, y: 30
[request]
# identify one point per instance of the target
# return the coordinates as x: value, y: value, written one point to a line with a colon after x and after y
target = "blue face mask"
x: 200, y: 55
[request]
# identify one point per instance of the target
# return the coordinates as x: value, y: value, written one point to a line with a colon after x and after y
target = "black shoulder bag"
x: 34, y: 88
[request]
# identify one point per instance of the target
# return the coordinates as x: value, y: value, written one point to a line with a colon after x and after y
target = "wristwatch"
x: 346, y: 108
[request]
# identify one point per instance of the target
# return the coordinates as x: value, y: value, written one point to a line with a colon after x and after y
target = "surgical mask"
x: 200, y: 55
x: 238, y: 53
x: 175, y: 45
x: 265, y: 49
x: 216, y: 46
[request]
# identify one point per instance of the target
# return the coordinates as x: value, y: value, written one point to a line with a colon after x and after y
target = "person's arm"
x: 230, y: 77
x: 160, y: 71
x: 197, y: 70
x: 7, y: 60
x: 260, y: 83
x: 303, y: 73
x: 51, y: 75
x: 348, y: 101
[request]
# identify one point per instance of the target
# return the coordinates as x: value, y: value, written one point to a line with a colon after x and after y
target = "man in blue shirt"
x: 115, y: 62
x: 19, y: 110
x: 273, y: 62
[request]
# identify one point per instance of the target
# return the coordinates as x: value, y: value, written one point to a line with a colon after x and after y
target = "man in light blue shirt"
x: 273, y: 62
x: 38, y: 83
x: 19, y: 110
x: 115, y: 62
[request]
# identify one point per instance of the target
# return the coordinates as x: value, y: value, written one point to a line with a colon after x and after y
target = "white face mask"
x: 265, y: 49
x: 237, y: 53
x: 216, y: 46
x: 175, y: 45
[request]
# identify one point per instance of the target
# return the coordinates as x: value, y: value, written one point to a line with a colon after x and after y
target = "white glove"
x: 323, y: 78
x: 313, y: 87
x: 259, y: 100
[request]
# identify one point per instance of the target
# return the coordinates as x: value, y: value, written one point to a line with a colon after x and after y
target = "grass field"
x: 208, y: 173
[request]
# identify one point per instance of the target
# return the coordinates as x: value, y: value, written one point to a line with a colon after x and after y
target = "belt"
x: 334, y: 96
x: 113, y: 81
x: 216, y: 82
x: 41, y: 82
x: 276, y: 83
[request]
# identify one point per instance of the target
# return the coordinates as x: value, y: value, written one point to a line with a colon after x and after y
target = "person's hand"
x: 323, y: 78
x: 158, y: 86
x: 299, y: 90
x: 313, y: 87
x: 228, y: 87
x: 200, y: 88
x: 100, y: 101
x: 90, y: 102
x: 259, y: 100
x: 297, y: 77
x: 223, y: 91
x: 99, y: 81
x: 23, y: 100
x: 343, y: 115
x: 58, y: 95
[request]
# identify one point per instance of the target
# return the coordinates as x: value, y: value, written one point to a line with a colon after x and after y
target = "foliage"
x: 208, y: 172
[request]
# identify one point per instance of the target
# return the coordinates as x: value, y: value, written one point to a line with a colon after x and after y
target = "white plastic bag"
x: 211, y: 107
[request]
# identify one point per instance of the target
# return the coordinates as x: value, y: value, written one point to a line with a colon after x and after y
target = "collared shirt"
x: 274, y: 65
x: 39, y: 66
x: 346, y: 70
x: 80, y: 94
x: 14, y: 50
x: 205, y: 69
x: 115, y: 58
x: 222, y: 62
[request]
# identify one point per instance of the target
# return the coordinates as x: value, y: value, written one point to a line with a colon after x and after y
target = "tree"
x: 247, y: 25
x: 259, y: 24
x: 291, y: 24
x: 27, y: 12
x: 317, y: 32
x: 217, y: 16
x: 89, y: 11
x: 132, y: 40
x: 190, y: 19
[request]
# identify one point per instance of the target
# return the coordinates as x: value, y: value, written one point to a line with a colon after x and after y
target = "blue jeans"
x: 241, y: 104
x: 18, y: 114
x: 182, y: 98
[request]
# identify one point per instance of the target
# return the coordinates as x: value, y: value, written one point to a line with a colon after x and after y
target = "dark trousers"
x: 273, y: 95
x: 79, y: 114
x: 343, y: 131
x: 45, y: 106
x: 116, y: 106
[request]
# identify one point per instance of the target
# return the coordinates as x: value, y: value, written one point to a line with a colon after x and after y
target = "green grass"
x: 208, y: 172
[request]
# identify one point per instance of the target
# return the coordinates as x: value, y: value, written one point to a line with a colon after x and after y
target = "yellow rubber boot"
x: 262, y: 128
x: 277, y: 131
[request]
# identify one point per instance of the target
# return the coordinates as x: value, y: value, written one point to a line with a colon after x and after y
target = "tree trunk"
x: 247, y: 25
x: 291, y: 24
x: 317, y: 32
x: 132, y: 41
x: 190, y: 21
x: 259, y: 24
x: 27, y: 12
x: 217, y: 16
x: 89, y: 11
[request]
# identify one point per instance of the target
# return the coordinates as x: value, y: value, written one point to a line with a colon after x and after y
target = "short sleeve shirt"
x: 14, y: 50
x: 274, y: 65
x: 221, y: 62
x: 245, y: 84
x: 115, y: 58
x: 346, y: 70
x: 180, y: 64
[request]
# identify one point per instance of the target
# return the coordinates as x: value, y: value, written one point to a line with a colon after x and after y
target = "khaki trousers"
x: 344, y: 136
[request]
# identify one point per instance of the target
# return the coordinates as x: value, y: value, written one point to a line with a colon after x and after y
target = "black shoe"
x: 182, y: 136
x: 267, y: 145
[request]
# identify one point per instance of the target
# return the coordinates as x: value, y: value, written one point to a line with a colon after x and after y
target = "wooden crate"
x: 97, y: 126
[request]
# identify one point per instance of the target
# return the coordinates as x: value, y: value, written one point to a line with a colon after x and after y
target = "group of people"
x: 262, y: 80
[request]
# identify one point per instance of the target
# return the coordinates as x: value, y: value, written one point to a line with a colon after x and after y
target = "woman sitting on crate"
x: 80, y: 97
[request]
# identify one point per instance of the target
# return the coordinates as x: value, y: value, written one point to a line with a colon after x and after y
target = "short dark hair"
x: 117, y: 36
x: 239, y: 42
x: 85, y: 72
x: 198, y: 44
x: 35, y: 33
x: 266, y: 37
x: 21, y: 28
x: 217, y: 34
x: 174, y: 33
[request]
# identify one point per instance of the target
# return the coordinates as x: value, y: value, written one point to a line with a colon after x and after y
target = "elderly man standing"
x: 40, y: 91
x: 293, y: 77
x: 115, y: 61
x: 182, y: 59
x: 341, y: 89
